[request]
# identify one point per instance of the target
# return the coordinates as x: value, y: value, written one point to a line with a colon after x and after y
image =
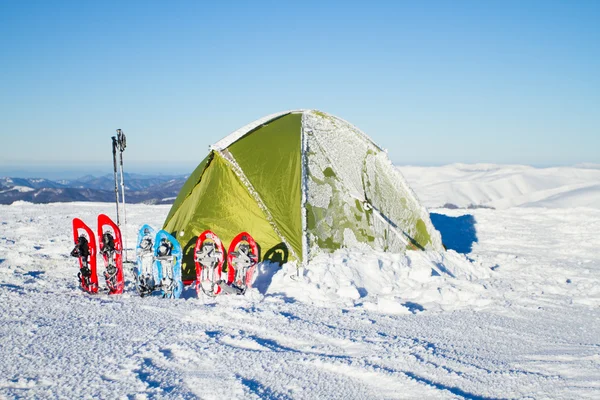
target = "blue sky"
x: 434, y: 82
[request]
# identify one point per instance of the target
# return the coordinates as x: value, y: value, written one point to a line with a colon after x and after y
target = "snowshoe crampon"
x: 145, y: 285
x: 242, y: 258
x: 209, y: 255
x: 111, y: 248
x: 167, y: 263
x: 85, y: 251
x: 110, y: 275
x: 146, y: 274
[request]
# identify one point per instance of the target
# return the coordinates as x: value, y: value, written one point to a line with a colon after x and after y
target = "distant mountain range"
x: 149, y: 189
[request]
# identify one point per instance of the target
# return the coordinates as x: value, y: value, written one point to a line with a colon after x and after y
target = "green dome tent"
x: 301, y: 183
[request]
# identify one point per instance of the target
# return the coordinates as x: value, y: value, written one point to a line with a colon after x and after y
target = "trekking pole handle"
x: 122, y: 140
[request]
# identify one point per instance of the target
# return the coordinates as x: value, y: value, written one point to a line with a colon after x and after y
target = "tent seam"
x: 235, y: 136
x: 304, y: 189
x: 228, y: 157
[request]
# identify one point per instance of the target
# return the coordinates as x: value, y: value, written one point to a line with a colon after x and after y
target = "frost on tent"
x: 355, y: 197
x: 385, y: 189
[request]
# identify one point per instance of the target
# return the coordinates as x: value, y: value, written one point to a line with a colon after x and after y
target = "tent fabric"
x: 244, y: 130
x: 221, y: 203
x: 301, y: 183
x: 357, y: 198
x: 189, y: 185
x: 270, y: 159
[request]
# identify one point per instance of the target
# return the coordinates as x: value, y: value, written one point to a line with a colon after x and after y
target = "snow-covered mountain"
x: 511, y: 310
x: 150, y: 189
x: 504, y: 186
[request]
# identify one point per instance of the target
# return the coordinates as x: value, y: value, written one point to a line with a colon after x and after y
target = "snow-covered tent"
x: 301, y: 183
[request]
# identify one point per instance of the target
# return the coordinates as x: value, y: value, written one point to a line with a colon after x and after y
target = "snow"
x: 511, y: 310
x: 18, y: 189
x: 503, y: 187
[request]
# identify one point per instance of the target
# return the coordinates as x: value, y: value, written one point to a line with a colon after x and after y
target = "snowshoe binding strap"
x: 85, y: 271
x: 243, y: 261
x: 231, y: 289
x: 164, y: 248
x: 108, y: 243
x: 111, y: 277
x: 85, y: 275
x: 81, y: 249
x: 243, y: 257
x: 145, y: 285
x: 210, y: 282
x: 146, y: 243
x: 208, y: 255
x: 168, y: 286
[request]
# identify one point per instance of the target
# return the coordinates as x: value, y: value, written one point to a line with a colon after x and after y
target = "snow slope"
x: 513, y: 313
x: 504, y: 186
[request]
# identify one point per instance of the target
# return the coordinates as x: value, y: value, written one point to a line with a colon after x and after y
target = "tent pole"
x: 304, y: 188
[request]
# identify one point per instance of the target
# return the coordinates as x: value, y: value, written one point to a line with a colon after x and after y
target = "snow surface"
x: 512, y: 310
x: 502, y: 186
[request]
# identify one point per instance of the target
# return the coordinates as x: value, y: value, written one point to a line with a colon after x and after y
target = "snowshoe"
x: 209, y: 255
x: 85, y: 251
x: 111, y: 247
x: 146, y: 275
x: 167, y: 262
x: 242, y: 258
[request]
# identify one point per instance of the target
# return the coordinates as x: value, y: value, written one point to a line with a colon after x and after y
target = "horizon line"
x: 74, y: 172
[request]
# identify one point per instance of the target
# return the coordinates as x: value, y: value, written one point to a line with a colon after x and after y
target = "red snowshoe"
x: 111, y: 248
x: 85, y: 251
x: 242, y: 258
x: 209, y: 255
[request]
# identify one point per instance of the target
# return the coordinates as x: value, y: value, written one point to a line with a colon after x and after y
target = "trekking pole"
x: 114, y: 151
x: 122, y: 143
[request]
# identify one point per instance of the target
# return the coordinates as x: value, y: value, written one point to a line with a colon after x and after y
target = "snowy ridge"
x: 588, y: 165
x: 18, y: 189
x: 583, y: 195
x: 505, y: 186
